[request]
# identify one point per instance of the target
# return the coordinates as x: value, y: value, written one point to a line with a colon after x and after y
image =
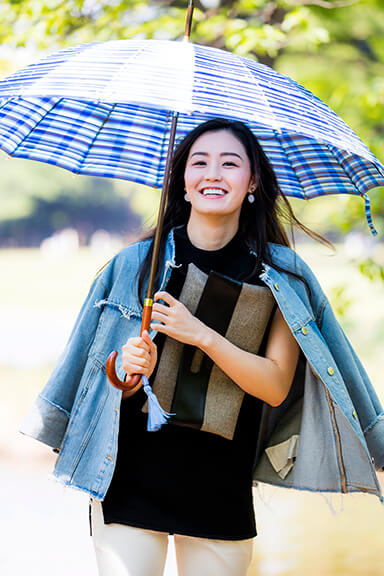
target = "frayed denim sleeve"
x: 48, y: 418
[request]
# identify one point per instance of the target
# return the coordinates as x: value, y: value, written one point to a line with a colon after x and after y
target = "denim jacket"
x: 328, y: 435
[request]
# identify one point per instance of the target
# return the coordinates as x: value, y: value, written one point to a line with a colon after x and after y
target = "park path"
x: 44, y: 528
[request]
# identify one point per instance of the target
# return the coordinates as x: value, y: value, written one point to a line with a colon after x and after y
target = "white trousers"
x: 127, y: 551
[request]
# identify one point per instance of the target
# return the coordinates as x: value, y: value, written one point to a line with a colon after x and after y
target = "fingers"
x: 146, y: 337
x: 153, y: 351
x: 163, y: 312
x: 133, y: 361
x: 136, y: 352
x: 139, y: 344
x: 148, y: 340
x: 168, y: 298
x: 131, y: 367
x: 139, y: 355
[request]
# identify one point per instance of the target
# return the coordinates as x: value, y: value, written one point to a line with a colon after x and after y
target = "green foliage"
x: 372, y: 269
x: 341, y: 303
x: 56, y: 23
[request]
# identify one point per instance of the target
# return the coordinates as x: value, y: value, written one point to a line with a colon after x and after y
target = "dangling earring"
x: 251, y: 197
x: 186, y: 197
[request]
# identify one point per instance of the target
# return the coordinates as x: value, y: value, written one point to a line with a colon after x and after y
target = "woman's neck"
x: 206, y: 235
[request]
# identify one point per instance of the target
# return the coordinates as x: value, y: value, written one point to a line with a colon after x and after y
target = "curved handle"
x: 110, y: 368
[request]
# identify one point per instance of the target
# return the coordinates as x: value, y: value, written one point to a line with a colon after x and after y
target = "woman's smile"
x: 212, y: 192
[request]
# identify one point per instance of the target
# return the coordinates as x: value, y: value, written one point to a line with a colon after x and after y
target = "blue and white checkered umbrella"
x: 105, y: 109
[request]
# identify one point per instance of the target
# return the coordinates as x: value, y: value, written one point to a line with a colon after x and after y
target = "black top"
x: 179, y: 479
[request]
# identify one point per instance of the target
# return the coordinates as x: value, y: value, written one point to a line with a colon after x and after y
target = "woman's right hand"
x: 139, y: 356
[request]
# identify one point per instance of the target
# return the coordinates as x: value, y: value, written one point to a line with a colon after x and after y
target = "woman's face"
x: 217, y: 174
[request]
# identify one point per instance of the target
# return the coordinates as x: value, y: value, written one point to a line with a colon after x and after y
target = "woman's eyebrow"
x: 222, y: 154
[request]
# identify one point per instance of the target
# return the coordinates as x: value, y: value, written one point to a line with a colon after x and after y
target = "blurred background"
x: 57, y: 230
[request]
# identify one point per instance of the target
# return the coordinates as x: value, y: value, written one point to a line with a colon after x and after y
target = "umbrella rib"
x: 355, y: 185
x: 5, y: 102
x: 36, y: 125
x: 120, y: 71
x: 283, y: 148
x: 305, y: 194
x: 275, y: 124
x: 94, y: 138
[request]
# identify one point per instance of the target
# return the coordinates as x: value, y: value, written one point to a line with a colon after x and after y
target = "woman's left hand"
x: 177, y: 321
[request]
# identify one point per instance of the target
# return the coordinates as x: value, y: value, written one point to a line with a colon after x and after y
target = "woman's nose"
x: 212, y: 173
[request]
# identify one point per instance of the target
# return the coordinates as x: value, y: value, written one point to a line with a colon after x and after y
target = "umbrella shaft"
x: 188, y: 23
x: 163, y: 202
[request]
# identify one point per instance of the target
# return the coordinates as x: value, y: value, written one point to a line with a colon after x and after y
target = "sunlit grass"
x: 32, y: 280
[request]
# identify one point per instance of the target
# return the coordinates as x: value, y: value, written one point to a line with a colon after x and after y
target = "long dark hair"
x: 260, y: 222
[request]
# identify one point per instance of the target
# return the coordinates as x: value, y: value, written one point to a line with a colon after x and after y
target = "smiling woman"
x: 245, y: 354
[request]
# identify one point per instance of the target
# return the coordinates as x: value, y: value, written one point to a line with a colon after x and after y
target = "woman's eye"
x: 229, y: 163
x: 199, y: 163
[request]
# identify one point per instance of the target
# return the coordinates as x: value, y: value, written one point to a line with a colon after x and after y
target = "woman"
x: 307, y: 414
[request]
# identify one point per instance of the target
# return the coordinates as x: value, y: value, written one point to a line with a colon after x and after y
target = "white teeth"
x: 213, y: 192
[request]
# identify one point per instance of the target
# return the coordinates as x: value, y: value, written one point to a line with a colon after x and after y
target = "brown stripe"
x: 246, y: 329
x: 215, y: 310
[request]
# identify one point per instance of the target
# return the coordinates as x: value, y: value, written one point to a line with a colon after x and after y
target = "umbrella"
x: 115, y: 108
x: 105, y: 109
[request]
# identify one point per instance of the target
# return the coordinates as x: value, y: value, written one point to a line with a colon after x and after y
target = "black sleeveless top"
x: 179, y: 479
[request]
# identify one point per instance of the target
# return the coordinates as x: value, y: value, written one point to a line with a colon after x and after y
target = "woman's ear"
x: 252, y: 187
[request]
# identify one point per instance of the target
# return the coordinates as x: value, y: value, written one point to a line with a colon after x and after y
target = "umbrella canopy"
x: 105, y: 109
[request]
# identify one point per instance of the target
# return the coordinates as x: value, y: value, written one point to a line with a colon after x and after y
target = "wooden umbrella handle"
x: 110, y: 368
